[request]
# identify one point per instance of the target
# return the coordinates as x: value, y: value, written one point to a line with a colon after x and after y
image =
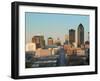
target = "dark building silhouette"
x: 80, y: 35
x: 71, y: 36
x: 39, y: 41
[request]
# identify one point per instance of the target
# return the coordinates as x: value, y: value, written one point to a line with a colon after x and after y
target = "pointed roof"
x: 50, y: 38
x: 80, y: 26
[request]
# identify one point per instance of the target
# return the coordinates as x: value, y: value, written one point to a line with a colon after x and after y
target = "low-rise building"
x: 80, y: 52
x: 52, y: 48
x: 42, y: 52
x: 30, y: 47
x: 68, y: 49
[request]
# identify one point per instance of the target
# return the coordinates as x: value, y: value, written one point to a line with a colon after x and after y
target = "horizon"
x: 54, y: 25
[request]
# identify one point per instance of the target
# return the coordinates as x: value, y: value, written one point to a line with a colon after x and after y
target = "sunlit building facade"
x: 39, y: 41
x: 50, y: 41
x: 30, y: 47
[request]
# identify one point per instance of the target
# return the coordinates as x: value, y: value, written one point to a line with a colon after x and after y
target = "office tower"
x: 50, y: 41
x: 66, y: 39
x: 80, y: 35
x: 58, y: 42
x: 39, y: 41
x: 71, y: 36
x: 87, y: 44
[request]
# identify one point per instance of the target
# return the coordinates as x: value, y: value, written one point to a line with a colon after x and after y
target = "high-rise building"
x: 58, y: 42
x: 66, y: 39
x: 87, y: 44
x: 50, y: 41
x: 39, y: 41
x: 80, y: 35
x: 71, y: 36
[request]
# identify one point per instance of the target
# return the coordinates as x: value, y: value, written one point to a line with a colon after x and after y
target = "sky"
x: 53, y: 25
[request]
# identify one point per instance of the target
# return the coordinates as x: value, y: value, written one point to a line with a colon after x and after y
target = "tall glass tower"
x: 80, y: 35
x: 71, y: 36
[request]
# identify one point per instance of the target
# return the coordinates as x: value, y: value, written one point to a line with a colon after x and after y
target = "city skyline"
x: 54, y: 25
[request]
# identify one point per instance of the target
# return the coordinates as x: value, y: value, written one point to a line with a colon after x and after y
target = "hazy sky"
x: 53, y: 25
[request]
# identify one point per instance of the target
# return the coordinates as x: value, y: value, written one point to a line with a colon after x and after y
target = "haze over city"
x: 56, y: 40
x: 54, y: 25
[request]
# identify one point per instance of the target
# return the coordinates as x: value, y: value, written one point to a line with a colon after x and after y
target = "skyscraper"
x: 50, y: 41
x: 71, y: 36
x: 80, y: 35
x: 39, y: 41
